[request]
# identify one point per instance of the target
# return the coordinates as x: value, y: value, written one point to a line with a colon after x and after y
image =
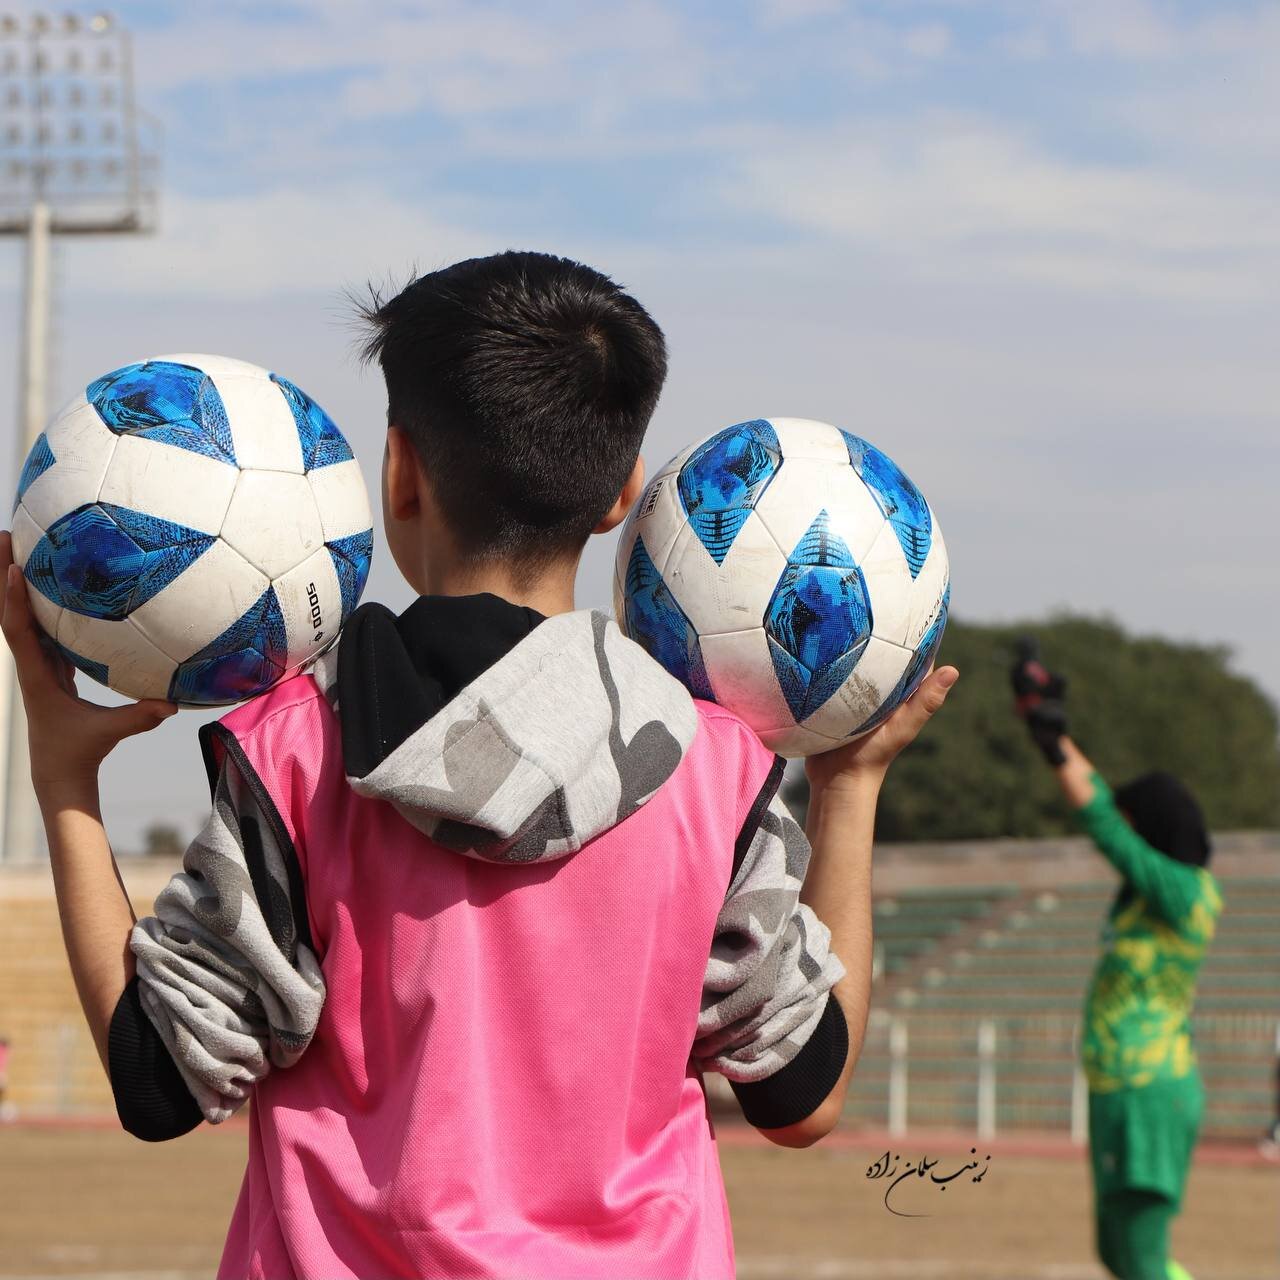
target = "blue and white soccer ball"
x: 192, y: 528
x: 791, y: 572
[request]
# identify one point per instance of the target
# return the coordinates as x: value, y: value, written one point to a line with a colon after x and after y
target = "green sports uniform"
x: 1145, y: 1094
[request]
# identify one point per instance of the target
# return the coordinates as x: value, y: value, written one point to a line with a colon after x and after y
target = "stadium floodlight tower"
x: 71, y: 164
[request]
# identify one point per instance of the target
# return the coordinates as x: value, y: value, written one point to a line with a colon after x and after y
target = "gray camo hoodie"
x: 502, y: 736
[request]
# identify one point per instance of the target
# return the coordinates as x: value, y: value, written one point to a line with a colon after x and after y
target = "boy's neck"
x: 551, y: 592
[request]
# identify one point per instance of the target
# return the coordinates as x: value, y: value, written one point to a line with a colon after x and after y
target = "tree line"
x: 1136, y: 703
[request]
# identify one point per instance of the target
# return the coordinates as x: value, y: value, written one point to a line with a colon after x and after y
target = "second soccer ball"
x: 791, y: 572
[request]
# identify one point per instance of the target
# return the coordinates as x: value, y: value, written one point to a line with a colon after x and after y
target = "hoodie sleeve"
x: 225, y: 977
x: 768, y: 1021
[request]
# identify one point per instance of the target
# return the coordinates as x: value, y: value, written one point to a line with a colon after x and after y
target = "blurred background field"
x: 994, y: 933
x: 93, y: 1202
x: 983, y: 952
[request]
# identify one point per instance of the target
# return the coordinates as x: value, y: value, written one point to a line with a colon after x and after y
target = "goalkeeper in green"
x: 1145, y: 1093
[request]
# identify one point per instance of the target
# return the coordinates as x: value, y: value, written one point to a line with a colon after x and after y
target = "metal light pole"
x: 71, y: 163
x: 21, y: 832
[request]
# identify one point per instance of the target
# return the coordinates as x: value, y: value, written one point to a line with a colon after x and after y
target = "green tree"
x: 1136, y: 703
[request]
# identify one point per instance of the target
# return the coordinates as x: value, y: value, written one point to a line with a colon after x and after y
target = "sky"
x: 1031, y: 248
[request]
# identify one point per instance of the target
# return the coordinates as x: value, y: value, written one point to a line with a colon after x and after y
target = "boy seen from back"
x: 485, y: 891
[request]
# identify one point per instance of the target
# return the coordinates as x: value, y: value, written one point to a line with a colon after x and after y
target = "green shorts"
x: 1142, y: 1139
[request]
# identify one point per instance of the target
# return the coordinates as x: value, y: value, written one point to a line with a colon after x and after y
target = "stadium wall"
x: 54, y: 1071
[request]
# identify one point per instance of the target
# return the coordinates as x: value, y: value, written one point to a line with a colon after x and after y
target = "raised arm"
x: 190, y: 1006
x: 844, y: 792
x: 1171, y: 888
x: 768, y: 1023
x: 788, y: 984
x: 69, y: 739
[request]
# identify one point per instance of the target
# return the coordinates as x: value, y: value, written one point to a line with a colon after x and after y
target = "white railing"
x: 985, y: 1061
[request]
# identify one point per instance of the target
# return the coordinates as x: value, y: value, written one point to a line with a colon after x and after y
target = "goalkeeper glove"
x: 1040, y: 699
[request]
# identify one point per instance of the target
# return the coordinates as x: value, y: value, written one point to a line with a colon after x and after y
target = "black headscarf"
x: 1165, y: 814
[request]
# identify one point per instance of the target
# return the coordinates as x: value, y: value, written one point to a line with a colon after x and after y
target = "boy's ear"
x: 627, y: 499
x: 400, y: 476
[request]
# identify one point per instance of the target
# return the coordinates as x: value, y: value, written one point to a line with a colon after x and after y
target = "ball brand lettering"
x: 313, y: 599
x: 650, y: 499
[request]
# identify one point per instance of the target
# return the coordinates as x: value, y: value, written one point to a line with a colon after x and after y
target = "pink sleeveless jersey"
x: 500, y: 1082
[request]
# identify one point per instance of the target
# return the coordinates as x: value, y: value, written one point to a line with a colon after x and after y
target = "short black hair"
x: 525, y: 382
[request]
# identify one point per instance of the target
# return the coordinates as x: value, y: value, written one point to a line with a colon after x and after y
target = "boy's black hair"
x: 525, y: 382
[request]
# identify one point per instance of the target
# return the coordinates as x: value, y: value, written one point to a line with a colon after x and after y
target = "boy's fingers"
x: 65, y: 669
x: 17, y: 622
x: 137, y: 717
x: 938, y: 685
x: 6, y: 551
x: 38, y: 661
x: 932, y: 694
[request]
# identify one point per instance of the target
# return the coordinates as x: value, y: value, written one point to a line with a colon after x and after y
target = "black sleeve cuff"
x: 152, y: 1099
x: 799, y: 1089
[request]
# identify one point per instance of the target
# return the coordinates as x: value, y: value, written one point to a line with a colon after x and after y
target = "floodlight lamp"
x: 70, y: 22
x: 39, y: 22
x: 100, y: 22
x: 8, y: 24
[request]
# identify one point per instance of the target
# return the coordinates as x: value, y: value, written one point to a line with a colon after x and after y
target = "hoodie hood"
x: 500, y: 734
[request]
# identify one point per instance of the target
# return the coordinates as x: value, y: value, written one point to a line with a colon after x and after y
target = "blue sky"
x: 1030, y: 247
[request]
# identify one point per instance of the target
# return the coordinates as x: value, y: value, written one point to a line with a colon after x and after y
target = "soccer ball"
x: 192, y: 528
x: 789, y: 571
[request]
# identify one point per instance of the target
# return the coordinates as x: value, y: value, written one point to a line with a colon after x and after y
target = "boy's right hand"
x: 870, y: 756
x: 68, y: 736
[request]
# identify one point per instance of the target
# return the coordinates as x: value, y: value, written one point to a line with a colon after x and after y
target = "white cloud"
x: 972, y: 196
x: 778, y: 13
x: 1119, y: 28
x: 1154, y: 33
x: 931, y: 40
x: 1025, y: 44
x: 456, y: 58
x: 284, y: 241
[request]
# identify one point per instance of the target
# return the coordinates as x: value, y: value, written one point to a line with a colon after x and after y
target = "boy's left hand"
x: 871, y: 755
x: 69, y: 736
